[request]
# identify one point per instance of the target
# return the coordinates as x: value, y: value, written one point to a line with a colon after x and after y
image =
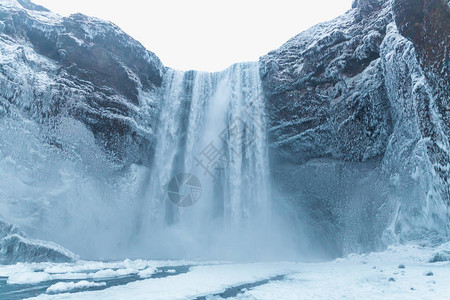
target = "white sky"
x: 207, y: 35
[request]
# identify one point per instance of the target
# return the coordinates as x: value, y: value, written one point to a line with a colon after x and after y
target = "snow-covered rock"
x: 83, y: 68
x: 15, y: 247
x: 355, y: 94
x: 427, y: 25
x: 442, y: 255
x: 78, y: 106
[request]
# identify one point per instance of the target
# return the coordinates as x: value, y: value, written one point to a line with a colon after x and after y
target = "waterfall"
x: 212, y: 130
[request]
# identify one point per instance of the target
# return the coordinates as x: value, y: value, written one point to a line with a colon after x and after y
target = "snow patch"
x: 28, y: 277
x: 110, y: 273
x: 199, y: 281
x: 69, y: 286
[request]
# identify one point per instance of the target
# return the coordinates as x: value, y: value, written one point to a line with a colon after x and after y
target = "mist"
x: 102, y: 210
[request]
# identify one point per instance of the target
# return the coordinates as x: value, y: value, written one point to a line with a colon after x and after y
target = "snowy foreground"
x: 406, y: 272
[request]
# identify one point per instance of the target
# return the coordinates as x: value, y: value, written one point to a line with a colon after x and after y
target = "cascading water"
x: 212, y: 126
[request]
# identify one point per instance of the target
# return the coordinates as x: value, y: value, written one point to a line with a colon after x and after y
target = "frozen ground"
x: 405, y: 272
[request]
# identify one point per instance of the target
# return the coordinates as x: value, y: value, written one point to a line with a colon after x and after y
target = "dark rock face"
x: 350, y: 94
x: 97, y: 75
x: 325, y: 87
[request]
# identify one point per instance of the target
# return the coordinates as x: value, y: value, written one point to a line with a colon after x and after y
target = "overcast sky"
x: 207, y: 35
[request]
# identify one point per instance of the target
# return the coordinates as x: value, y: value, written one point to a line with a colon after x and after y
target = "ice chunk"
x: 69, y: 286
x: 110, y: 273
x: 147, y: 272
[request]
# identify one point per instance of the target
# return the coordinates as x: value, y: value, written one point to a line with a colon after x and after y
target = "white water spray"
x: 212, y: 126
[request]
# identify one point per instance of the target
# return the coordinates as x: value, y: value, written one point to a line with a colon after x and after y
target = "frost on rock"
x: 15, y: 247
x: 355, y: 94
x: 78, y: 107
x: 83, y: 68
x: 330, y: 116
x: 422, y: 211
x: 426, y: 24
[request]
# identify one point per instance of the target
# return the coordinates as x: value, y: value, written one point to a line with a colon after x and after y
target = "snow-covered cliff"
x: 82, y: 68
x: 78, y: 107
x: 365, y: 110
